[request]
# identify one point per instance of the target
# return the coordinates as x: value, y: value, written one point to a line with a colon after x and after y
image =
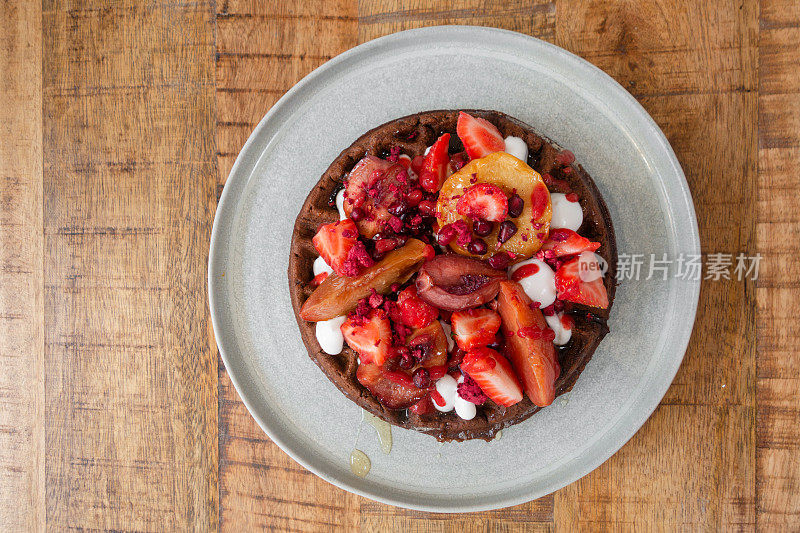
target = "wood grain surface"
x: 120, y: 124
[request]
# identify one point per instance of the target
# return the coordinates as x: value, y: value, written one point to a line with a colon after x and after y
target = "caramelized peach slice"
x: 532, y: 354
x: 338, y: 295
x: 509, y: 174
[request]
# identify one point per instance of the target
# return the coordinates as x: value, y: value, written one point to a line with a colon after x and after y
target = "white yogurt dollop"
x: 321, y: 266
x: 447, y: 387
x: 566, y: 214
x: 563, y: 335
x: 539, y: 286
x: 340, y: 204
x: 517, y: 147
x: 329, y: 335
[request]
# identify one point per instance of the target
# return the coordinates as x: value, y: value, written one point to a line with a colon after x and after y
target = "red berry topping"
x: 477, y: 247
x: 414, y: 197
x: 415, y: 312
x: 484, y: 201
x: 434, y: 167
x: 540, y: 199
x: 515, y: 205
x: 507, y: 230
x: 572, y: 197
x: 565, y: 158
x: 482, y: 228
x: 475, y: 327
x: 318, y: 279
x: 471, y: 391
x: 564, y: 241
x: 370, y: 335
x: 571, y: 287
x: 500, y: 261
x: 446, y: 235
x: 334, y: 242
x: 479, y: 136
x: 494, y: 374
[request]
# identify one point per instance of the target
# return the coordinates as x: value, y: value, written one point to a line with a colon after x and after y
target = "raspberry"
x: 470, y: 391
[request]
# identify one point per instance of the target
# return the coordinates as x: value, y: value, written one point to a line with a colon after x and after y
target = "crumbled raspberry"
x: 412, y: 135
x: 558, y: 306
x: 548, y: 311
x: 375, y: 299
x: 395, y: 224
x: 470, y: 391
x: 402, y: 177
x: 464, y: 239
x: 362, y: 309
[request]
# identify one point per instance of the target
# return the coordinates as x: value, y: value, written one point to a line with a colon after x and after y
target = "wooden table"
x: 119, y: 126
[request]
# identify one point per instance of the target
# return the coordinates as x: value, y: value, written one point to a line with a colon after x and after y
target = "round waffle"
x: 413, y: 134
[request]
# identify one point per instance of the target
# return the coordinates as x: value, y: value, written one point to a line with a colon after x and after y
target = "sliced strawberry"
x: 571, y: 287
x: 373, y: 186
x: 494, y: 375
x: 319, y: 278
x: 479, y: 136
x: 564, y: 241
x: 533, y: 356
x: 334, y: 241
x: 475, y: 327
x: 391, y: 393
x: 370, y: 336
x: 434, y: 167
x: 416, y: 312
x: 483, y: 201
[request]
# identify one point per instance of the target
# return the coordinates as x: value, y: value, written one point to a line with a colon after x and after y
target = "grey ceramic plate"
x: 450, y: 67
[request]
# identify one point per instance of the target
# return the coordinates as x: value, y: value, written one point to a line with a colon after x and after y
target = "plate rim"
x: 445, y: 32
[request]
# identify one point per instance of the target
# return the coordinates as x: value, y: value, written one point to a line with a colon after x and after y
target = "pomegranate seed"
x: 398, y: 209
x: 565, y: 158
x: 407, y: 362
x: 427, y: 208
x: 385, y: 245
x: 357, y: 214
x: 572, y: 197
x: 507, y: 230
x: 482, y: 227
x: 499, y: 261
x: 515, y: 205
x: 446, y: 235
x: 477, y: 247
x: 414, y: 197
x: 421, y: 378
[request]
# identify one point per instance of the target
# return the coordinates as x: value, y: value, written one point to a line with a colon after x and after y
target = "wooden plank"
x: 777, y: 291
x: 262, y: 50
x: 533, y: 17
x: 693, y: 66
x: 21, y: 277
x: 129, y: 190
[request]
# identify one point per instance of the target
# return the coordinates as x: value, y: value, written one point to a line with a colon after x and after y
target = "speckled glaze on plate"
x: 451, y: 67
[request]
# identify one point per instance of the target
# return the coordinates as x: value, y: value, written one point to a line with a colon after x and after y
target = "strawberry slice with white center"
x: 392, y: 393
x: 563, y: 241
x: 572, y: 286
x: 479, y: 136
x: 494, y: 375
x: 434, y: 166
x: 370, y: 336
x: 483, y: 201
x: 334, y: 241
x: 475, y: 327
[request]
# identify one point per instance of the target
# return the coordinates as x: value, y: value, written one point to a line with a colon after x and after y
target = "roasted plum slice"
x: 394, y: 389
x: 507, y: 173
x: 432, y: 342
x: 453, y: 282
x: 374, y: 186
x: 338, y: 295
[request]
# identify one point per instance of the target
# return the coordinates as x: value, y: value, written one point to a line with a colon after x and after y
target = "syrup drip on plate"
x: 383, y: 428
x: 359, y: 463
